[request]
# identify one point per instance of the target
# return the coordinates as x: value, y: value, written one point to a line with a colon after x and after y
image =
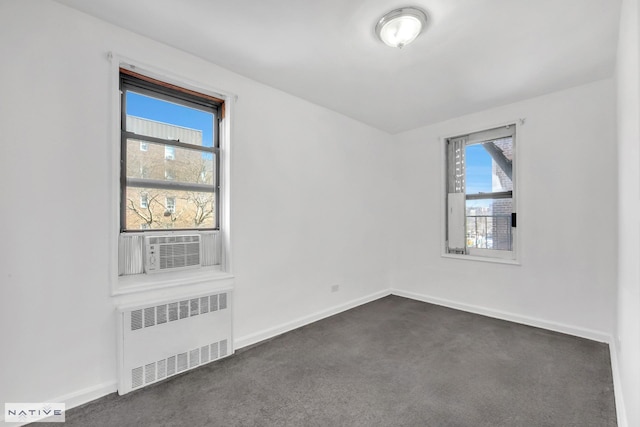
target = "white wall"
x: 628, y: 326
x: 566, y: 160
x: 309, y: 201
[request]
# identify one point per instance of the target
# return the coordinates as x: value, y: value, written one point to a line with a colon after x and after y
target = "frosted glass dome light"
x: 401, y: 26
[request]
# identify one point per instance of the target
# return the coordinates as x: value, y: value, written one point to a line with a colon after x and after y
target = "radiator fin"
x: 204, y: 354
x: 149, y: 316
x: 162, y: 369
x: 136, y: 377
x: 136, y: 319
x: 184, y: 309
x: 173, y: 311
x: 182, y: 362
x: 194, y: 358
x: 161, y: 313
x: 171, y: 365
x: 204, y: 305
x: 214, y: 351
x: 150, y: 373
x: 195, y: 306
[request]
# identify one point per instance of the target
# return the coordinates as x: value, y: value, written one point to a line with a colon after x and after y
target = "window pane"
x: 488, y: 166
x: 489, y: 224
x: 169, y: 209
x: 155, y: 117
x: 182, y: 165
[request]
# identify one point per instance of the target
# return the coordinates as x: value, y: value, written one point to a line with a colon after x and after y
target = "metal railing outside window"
x: 489, y: 232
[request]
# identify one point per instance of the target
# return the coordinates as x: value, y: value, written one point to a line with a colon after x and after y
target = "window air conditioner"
x: 169, y: 253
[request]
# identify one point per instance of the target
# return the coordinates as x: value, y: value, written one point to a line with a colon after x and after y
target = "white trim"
x: 266, y: 334
x: 511, y: 317
x: 621, y: 411
x: 127, y: 302
x: 170, y: 280
x: 482, y: 259
x: 86, y: 395
x: 226, y: 133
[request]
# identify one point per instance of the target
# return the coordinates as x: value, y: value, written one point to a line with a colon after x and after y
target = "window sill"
x: 176, y: 279
x: 482, y: 259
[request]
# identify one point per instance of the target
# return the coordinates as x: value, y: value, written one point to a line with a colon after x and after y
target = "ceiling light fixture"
x: 401, y: 26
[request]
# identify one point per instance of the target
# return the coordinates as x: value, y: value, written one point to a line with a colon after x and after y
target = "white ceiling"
x: 475, y: 54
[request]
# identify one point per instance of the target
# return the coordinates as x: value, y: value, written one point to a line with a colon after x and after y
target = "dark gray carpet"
x: 392, y: 362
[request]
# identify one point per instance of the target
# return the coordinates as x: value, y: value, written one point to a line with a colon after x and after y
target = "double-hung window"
x: 170, y: 156
x: 480, y: 193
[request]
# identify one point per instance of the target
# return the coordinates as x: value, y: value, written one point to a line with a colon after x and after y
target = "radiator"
x: 156, y: 341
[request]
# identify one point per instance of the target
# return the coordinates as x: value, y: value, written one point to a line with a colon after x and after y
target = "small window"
x: 480, y: 202
x: 170, y: 153
x: 170, y: 205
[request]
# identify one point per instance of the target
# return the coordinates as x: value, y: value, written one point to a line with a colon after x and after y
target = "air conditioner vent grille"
x: 133, y: 251
x: 172, y: 252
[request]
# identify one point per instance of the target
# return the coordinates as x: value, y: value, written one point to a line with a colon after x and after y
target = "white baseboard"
x: 617, y: 384
x: 86, y: 395
x: 305, y: 320
x: 511, y: 317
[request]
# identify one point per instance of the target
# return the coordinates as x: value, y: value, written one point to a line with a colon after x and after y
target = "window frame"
x: 132, y: 286
x: 480, y: 254
x: 159, y: 89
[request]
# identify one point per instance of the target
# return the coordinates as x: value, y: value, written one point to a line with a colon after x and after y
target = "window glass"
x: 170, y: 158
